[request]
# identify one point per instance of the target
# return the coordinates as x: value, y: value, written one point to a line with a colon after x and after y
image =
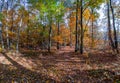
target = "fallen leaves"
x: 65, y: 66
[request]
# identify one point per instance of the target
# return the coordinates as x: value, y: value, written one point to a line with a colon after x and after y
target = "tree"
x: 115, y: 33
x: 59, y: 15
x: 81, y: 25
x: 109, y: 27
x: 50, y: 10
x: 1, y: 30
x: 76, y: 30
x: 83, y: 7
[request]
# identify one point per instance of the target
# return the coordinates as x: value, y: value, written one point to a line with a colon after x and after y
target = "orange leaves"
x: 11, y: 13
x: 72, y: 19
x: 54, y: 27
x: 65, y: 31
x: 23, y: 34
x: 4, y: 21
x: 93, y: 17
x: 64, y: 34
x: 58, y: 39
x: 72, y: 22
x: 11, y: 34
x: 35, y: 35
x: 86, y: 14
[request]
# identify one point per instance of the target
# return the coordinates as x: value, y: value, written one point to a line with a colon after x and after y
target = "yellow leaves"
x: 25, y: 20
x: 87, y: 40
x: 11, y: 12
x: 65, y: 31
x: 4, y: 22
x: 72, y: 19
x: 92, y: 18
x: 54, y: 26
x: 14, y: 17
x: 25, y: 12
x: 86, y: 14
x: 35, y: 35
x: 64, y: 34
x: 9, y: 24
x: 11, y: 34
x: 23, y: 34
x: 1, y: 49
x: 73, y: 14
x: 58, y: 39
x: 4, y: 12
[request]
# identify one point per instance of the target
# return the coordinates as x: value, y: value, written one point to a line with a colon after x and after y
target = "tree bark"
x: 18, y: 36
x: 58, y: 33
x: 115, y: 32
x: 70, y: 38
x: 92, y: 35
x: 7, y: 29
x: 81, y: 25
x: 1, y: 38
x: 109, y: 27
x: 50, y: 35
x: 1, y: 29
x: 76, y: 29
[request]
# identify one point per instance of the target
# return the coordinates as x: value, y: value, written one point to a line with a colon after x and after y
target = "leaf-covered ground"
x: 62, y: 66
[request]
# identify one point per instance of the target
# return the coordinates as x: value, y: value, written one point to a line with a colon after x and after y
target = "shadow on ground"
x: 20, y: 74
x: 66, y: 67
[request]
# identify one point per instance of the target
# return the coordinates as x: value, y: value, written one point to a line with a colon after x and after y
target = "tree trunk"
x: 1, y: 37
x: 58, y: 33
x: 115, y: 34
x: 1, y: 33
x: 109, y: 28
x: 28, y: 40
x: 50, y: 35
x: 43, y: 38
x: 76, y: 29
x: 18, y: 36
x: 64, y: 40
x: 82, y: 31
x: 7, y: 35
x: 70, y: 38
x: 92, y: 35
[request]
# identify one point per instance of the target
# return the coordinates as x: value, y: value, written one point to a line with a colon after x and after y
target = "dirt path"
x: 63, y: 66
x: 66, y: 49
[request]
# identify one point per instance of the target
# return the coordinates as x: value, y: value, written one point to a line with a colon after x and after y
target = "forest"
x: 59, y: 41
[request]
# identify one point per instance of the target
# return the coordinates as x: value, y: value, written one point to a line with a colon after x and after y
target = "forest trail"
x: 61, y: 66
x: 66, y: 49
